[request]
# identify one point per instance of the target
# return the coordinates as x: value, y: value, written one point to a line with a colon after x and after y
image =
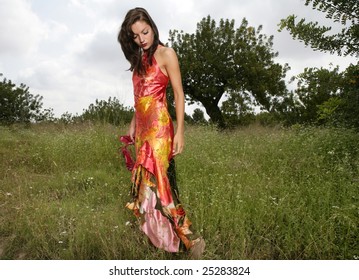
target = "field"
x: 253, y: 193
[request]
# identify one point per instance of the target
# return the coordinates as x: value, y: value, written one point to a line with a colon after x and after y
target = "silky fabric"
x: 155, y: 200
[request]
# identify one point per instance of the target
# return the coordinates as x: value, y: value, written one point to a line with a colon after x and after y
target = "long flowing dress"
x: 155, y: 195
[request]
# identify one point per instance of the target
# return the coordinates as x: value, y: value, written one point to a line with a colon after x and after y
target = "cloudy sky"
x: 67, y: 50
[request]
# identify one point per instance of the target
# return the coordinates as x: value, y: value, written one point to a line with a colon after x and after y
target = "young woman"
x: 155, y: 195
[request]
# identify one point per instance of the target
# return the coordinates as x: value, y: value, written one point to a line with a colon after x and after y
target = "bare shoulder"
x: 167, y: 54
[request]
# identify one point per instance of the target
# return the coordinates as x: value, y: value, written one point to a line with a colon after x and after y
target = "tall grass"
x: 253, y: 193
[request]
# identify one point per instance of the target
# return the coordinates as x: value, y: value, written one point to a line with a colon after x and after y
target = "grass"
x: 253, y: 193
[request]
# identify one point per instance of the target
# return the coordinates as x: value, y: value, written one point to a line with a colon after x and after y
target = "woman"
x: 155, y: 195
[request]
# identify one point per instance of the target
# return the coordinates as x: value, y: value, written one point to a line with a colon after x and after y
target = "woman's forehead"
x: 139, y: 26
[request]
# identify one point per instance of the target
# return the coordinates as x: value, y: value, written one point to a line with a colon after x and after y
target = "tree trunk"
x: 215, y: 114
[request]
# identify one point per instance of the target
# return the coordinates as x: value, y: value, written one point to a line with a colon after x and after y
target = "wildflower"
x: 274, y: 200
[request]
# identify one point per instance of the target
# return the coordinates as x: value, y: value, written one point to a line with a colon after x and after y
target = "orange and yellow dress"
x: 155, y: 196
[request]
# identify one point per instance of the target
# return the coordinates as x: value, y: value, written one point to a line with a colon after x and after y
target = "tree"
x: 316, y: 86
x: 345, y: 12
x: 17, y: 105
x: 324, y: 97
x: 221, y: 61
x: 343, y: 109
x: 237, y: 110
x: 198, y: 116
x: 350, y: 96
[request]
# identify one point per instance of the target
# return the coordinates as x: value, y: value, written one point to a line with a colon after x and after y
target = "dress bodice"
x: 151, y: 86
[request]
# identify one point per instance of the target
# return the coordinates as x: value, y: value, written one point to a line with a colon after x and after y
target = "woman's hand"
x: 178, y: 143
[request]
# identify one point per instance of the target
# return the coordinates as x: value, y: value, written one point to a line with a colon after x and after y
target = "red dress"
x: 155, y: 196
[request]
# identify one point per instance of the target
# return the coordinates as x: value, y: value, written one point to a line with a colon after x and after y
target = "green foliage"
x: 267, y: 119
x: 18, y: 105
x: 324, y: 97
x: 110, y: 111
x: 237, y: 110
x: 67, y: 118
x: 343, y: 110
x: 198, y: 116
x: 327, y: 96
x: 223, y: 61
x: 327, y: 110
x: 344, y: 12
x: 350, y: 96
x: 254, y: 193
x: 314, y: 87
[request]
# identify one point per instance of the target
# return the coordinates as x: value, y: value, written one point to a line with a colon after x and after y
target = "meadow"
x: 253, y: 193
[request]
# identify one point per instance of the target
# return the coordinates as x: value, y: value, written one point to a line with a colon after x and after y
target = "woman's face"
x: 143, y: 34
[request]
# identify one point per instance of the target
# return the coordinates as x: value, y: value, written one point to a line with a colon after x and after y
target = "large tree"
x: 344, y: 12
x: 224, y: 60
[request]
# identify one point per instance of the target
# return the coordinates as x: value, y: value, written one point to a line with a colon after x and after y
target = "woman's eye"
x: 145, y: 33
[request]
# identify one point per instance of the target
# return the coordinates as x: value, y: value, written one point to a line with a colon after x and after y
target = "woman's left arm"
x: 174, y: 74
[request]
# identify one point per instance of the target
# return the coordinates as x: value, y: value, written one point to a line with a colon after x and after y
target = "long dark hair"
x: 131, y: 50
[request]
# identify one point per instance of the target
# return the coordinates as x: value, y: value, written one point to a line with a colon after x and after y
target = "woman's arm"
x: 173, y: 71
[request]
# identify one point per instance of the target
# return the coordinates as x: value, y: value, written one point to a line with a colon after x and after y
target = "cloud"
x: 20, y: 28
x: 70, y: 83
x: 67, y: 51
x: 91, y: 66
x: 56, y: 31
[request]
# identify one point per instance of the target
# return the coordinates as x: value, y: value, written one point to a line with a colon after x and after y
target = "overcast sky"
x: 67, y: 50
